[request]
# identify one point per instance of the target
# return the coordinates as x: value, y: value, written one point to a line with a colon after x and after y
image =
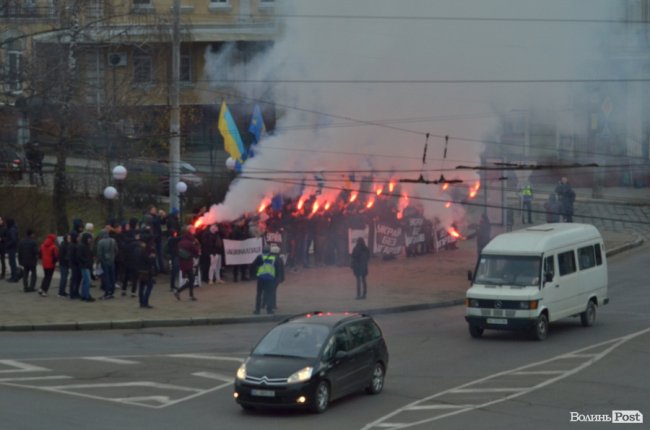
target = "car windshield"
x: 508, y: 270
x: 293, y: 340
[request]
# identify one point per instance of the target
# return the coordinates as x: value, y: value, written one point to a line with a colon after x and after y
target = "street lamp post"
x: 119, y: 175
x: 181, y: 188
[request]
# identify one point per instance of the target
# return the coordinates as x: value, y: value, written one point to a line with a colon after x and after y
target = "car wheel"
x: 475, y: 331
x: 588, y: 317
x: 321, y: 398
x: 377, y: 381
x: 540, y: 330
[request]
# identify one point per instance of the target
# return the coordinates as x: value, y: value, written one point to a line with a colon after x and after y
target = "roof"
x: 540, y: 238
x: 330, y: 319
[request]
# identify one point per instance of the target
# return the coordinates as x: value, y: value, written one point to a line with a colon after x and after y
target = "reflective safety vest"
x: 267, y: 269
x: 527, y: 192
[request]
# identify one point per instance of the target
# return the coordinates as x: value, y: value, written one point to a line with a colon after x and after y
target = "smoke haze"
x: 361, y: 126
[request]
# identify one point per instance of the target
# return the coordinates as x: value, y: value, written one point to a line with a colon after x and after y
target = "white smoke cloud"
x: 358, y: 125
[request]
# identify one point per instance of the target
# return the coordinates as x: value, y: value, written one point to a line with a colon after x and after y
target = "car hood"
x: 275, y: 367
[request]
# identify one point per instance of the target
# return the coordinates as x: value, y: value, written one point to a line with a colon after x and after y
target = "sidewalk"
x: 404, y: 284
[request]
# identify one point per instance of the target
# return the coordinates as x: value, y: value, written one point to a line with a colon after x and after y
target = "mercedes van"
x: 527, y: 278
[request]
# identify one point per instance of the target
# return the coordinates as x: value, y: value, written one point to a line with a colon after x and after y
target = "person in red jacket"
x: 188, y: 250
x: 49, y: 253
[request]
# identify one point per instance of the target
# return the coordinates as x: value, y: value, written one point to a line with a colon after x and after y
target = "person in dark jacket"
x: 360, y: 258
x: 130, y: 275
x: 64, y: 265
x: 188, y: 249
x: 85, y: 261
x: 171, y: 249
x: 212, y: 245
x: 566, y: 197
x: 75, y: 270
x: 28, y: 258
x: 11, y: 247
x: 144, y: 255
x: 552, y: 208
x: 483, y: 233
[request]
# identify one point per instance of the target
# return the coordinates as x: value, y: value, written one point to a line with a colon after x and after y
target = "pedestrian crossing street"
x: 156, y: 381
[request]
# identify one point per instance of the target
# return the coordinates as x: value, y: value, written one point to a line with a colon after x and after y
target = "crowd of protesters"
x: 124, y: 258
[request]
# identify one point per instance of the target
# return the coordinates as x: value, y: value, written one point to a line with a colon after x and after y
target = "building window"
x: 142, y: 67
x: 14, y: 70
x: 95, y: 8
x: 186, y: 66
x: 219, y: 5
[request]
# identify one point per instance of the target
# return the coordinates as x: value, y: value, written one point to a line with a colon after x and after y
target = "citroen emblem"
x: 498, y: 304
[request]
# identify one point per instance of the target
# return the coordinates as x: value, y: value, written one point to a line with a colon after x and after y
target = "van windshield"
x: 508, y: 270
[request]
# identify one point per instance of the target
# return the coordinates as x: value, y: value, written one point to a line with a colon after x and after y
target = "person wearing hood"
x: 28, y: 259
x: 49, y: 257
x: 85, y: 261
x: 106, y: 254
x: 188, y: 250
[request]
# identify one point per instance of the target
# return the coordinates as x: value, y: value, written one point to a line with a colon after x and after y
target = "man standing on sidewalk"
x: 526, y: 194
x: 106, y: 254
x: 28, y: 258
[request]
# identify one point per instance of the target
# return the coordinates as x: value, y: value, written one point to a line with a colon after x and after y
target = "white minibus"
x: 527, y: 278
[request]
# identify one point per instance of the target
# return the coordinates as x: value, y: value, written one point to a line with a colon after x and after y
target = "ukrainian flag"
x: 232, y: 142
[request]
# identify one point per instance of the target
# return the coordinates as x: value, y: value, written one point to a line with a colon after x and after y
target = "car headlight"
x: 301, y: 375
x: 241, y: 372
x: 472, y: 303
x: 529, y: 304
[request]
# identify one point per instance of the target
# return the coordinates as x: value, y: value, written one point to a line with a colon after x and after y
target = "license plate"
x: 263, y: 393
x: 501, y: 321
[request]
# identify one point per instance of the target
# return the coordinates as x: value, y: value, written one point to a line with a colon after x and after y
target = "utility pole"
x: 175, y: 112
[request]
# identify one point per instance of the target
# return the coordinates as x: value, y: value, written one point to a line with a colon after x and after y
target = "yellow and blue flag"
x: 257, y: 127
x: 232, y: 142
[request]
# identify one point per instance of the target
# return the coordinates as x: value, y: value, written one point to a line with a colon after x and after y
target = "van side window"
x: 586, y: 257
x: 549, y: 266
x: 599, y: 257
x: 566, y: 262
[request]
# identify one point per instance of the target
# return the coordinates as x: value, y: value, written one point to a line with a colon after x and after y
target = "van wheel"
x: 540, y: 330
x: 475, y: 331
x: 321, y: 398
x: 377, y: 381
x: 588, y: 317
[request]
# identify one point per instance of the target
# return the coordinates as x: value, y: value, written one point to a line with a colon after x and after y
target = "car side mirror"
x: 470, y: 275
x: 340, y: 355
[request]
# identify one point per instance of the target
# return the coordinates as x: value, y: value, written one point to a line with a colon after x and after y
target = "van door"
x: 569, y: 283
x: 552, y: 293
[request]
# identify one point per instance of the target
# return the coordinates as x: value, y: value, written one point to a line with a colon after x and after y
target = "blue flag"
x: 257, y: 127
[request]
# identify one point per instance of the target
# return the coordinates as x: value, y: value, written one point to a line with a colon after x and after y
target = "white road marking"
x: 538, y: 372
x: 486, y: 390
x: 217, y: 376
x: 19, y: 366
x: 34, y: 378
x: 124, y: 384
x: 206, y: 357
x: 589, y: 359
x: 111, y: 360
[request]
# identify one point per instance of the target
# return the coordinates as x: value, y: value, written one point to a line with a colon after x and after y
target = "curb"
x: 626, y: 246
x: 204, y: 321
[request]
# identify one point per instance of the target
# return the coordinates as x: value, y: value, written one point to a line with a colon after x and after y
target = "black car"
x: 309, y: 360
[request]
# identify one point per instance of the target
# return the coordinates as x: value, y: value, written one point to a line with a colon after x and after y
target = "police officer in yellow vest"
x: 526, y: 194
x: 269, y: 269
